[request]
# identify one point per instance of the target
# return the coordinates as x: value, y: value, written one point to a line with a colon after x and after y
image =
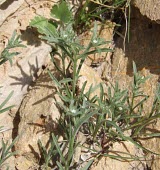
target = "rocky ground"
x: 34, y: 92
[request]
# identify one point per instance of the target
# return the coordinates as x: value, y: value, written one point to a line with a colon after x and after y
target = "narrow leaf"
x: 6, y: 100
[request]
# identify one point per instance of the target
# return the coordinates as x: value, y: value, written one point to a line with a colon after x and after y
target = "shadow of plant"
x: 26, y: 79
x: 31, y: 36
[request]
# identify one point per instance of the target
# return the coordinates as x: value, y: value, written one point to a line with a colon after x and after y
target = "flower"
x: 85, y: 99
x: 95, y: 41
x: 73, y: 111
x: 120, y: 108
x: 110, y: 119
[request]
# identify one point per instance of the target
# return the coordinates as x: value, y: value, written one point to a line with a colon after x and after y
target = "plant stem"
x: 74, y: 77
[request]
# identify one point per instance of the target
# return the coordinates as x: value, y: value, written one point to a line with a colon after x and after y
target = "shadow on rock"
x: 144, y: 44
x: 31, y: 36
x: 6, y: 4
x: 26, y: 79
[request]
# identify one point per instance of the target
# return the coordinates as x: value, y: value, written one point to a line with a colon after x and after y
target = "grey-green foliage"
x: 125, y: 115
x: 63, y: 39
x: 104, y: 10
x: 2, y: 109
x: 14, y: 42
x: 101, y: 10
x: 109, y: 117
x: 5, y: 151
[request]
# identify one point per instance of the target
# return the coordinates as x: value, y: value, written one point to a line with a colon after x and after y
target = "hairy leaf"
x: 61, y: 12
x: 43, y: 25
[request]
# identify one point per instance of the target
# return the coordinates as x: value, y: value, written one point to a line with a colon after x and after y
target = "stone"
x: 105, y: 32
x: 119, y: 149
x: 37, y: 114
x: 8, y: 8
x: 16, y: 15
x: 143, y: 48
x: 26, y: 65
x: 92, y: 78
x: 25, y: 164
x: 150, y: 8
x: 2, y: 1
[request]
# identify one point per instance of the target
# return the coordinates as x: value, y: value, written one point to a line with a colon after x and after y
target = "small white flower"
x: 120, y: 108
x: 95, y: 41
x: 114, y: 129
x: 85, y: 98
x: 73, y: 111
x: 142, y: 77
x: 83, y: 107
x: 110, y: 119
x: 65, y: 35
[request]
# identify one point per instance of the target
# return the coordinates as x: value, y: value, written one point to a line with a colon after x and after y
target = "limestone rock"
x: 118, y: 149
x: 92, y: 78
x: 150, y: 8
x: 25, y: 164
x: 104, y: 31
x: 2, y: 1
x: 20, y: 76
x: 7, y: 8
x: 37, y: 115
x: 26, y: 65
x: 143, y: 49
x: 16, y: 15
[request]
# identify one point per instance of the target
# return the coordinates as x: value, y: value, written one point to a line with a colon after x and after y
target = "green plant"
x: 61, y: 36
x: 47, y: 155
x: 2, y: 109
x: 113, y: 117
x: 101, y: 10
x: 14, y: 42
x: 5, y: 150
x: 125, y: 115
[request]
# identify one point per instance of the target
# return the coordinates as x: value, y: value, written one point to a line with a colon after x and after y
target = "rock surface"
x: 38, y: 112
x: 150, y: 8
x: 16, y: 15
x: 100, y: 62
x: 28, y: 63
x: 143, y: 48
x: 7, y: 8
x: 37, y: 118
x: 120, y: 149
x: 92, y: 78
